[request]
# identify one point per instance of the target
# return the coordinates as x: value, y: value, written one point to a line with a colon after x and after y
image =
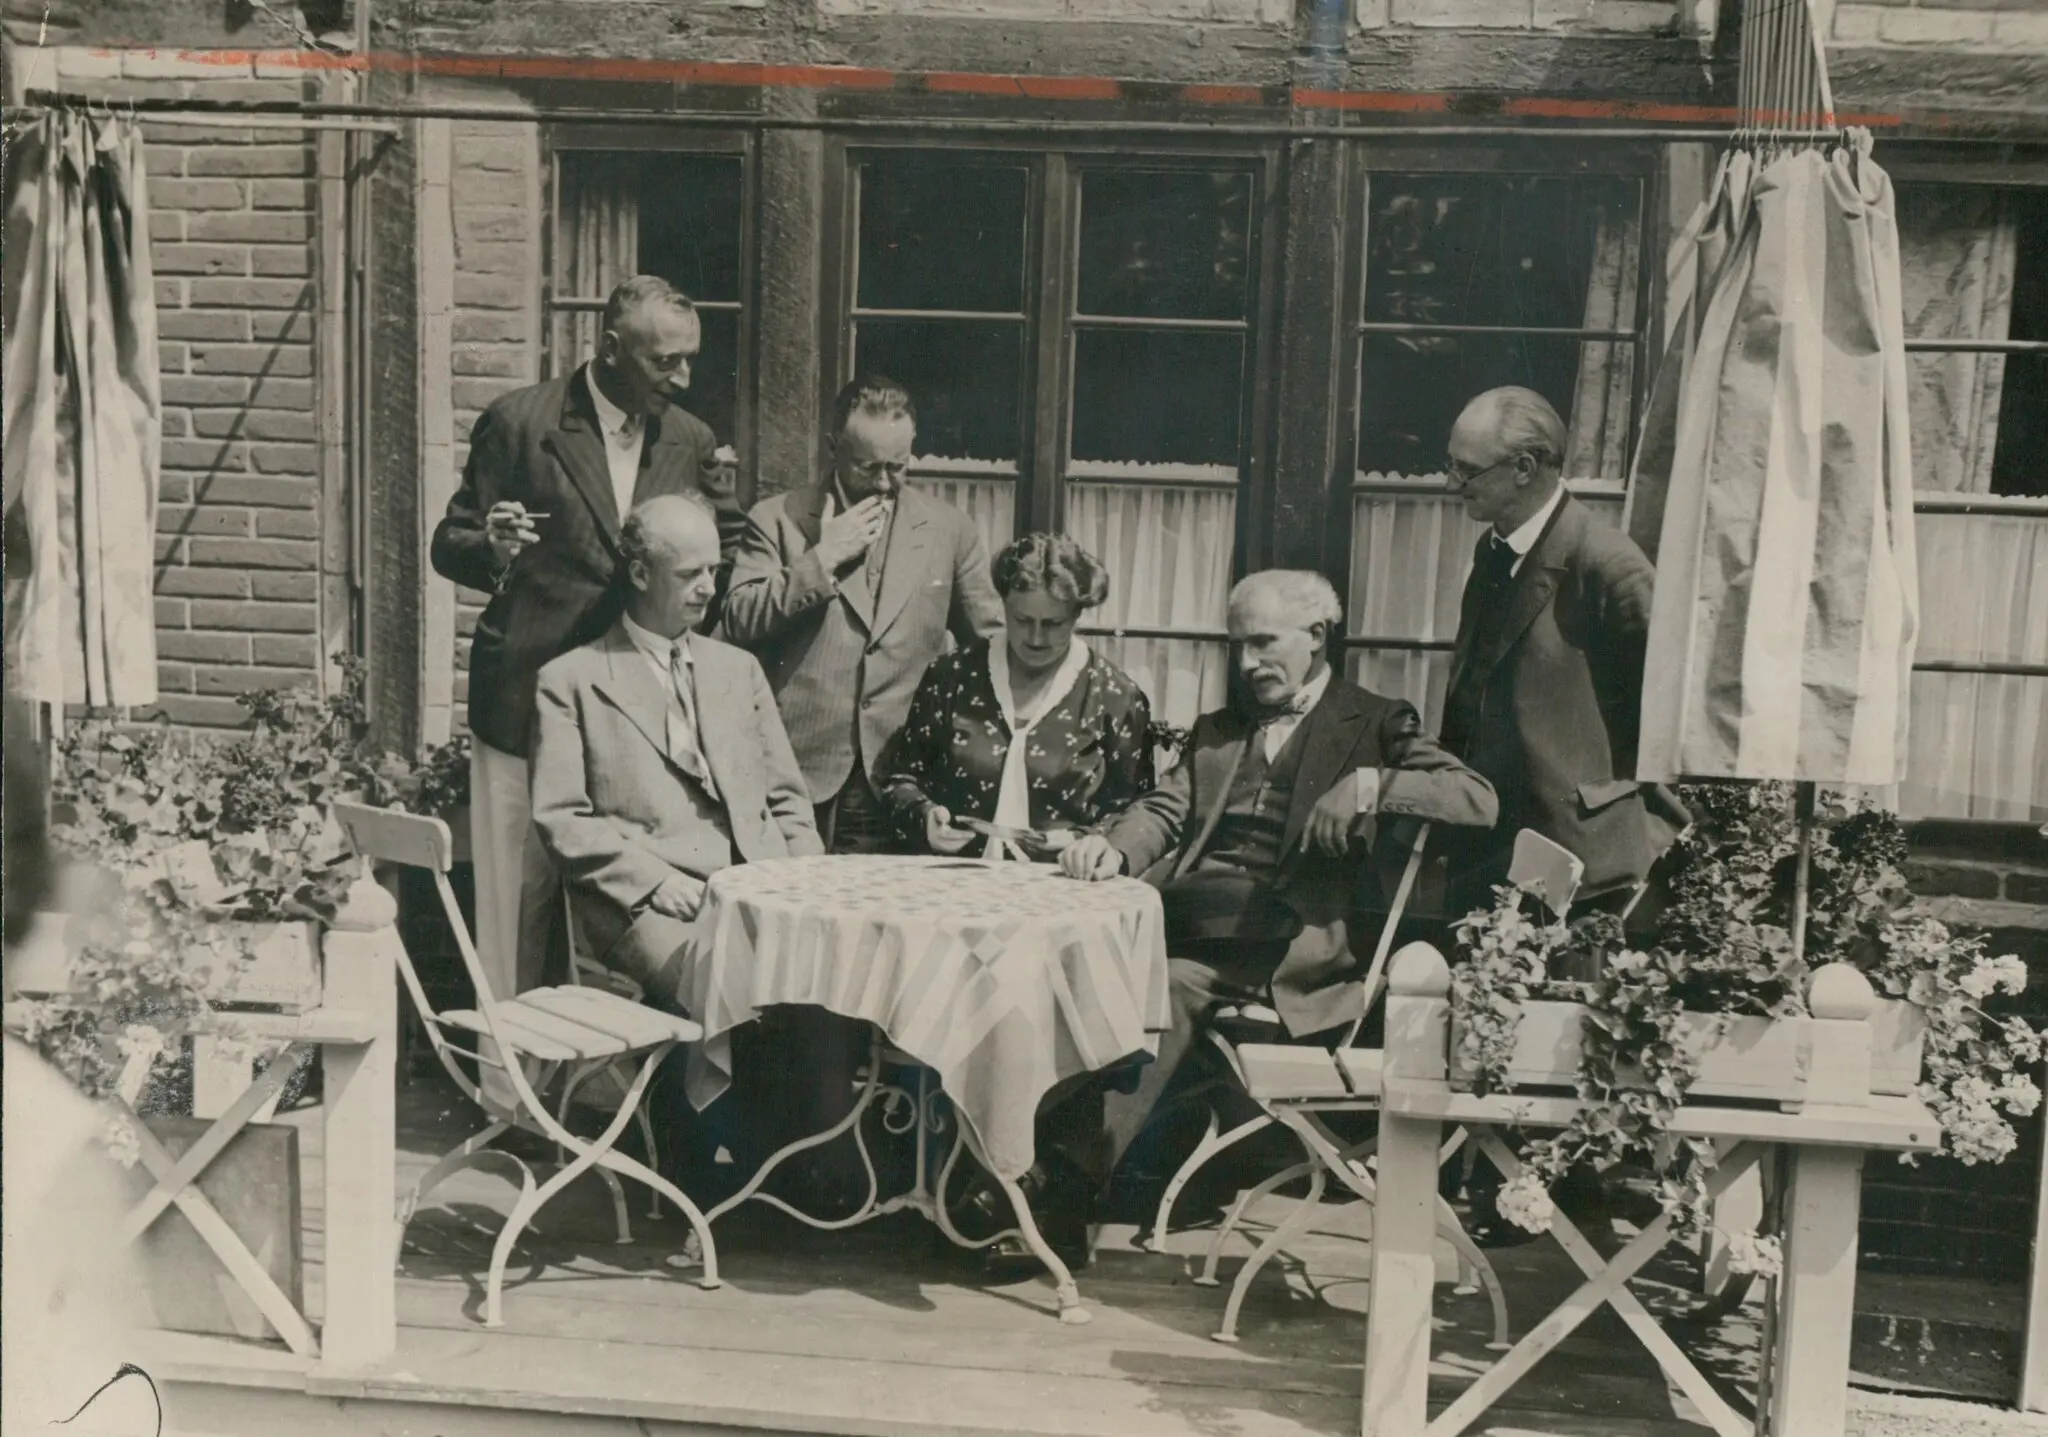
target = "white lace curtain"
x: 1168, y: 549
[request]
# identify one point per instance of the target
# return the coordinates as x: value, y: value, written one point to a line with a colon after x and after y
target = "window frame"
x: 1640, y: 161
x: 652, y: 142
x: 1914, y: 166
x: 1056, y: 164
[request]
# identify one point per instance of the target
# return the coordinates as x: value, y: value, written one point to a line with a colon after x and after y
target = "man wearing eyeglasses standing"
x: 1545, y: 695
x: 845, y: 591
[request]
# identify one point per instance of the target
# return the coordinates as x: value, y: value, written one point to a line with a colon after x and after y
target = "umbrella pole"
x: 1804, y: 804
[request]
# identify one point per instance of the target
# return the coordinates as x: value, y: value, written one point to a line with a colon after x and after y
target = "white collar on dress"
x: 1063, y: 681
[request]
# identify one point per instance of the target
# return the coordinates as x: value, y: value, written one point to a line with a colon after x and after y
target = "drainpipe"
x: 1323, y: 25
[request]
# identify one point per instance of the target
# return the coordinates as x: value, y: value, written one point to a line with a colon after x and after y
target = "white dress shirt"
x: 1524, y: 539
x: 1273, y: 736
x: 685, y: 740
x: 624, y: 434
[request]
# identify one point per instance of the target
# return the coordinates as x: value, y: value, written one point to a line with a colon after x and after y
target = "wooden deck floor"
x: 884, y: 1329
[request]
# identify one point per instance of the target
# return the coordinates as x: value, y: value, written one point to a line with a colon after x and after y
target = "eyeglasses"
x: 1466, y: 474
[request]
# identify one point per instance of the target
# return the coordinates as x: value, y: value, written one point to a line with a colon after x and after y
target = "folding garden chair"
x: 1294, y: 1085
x: 1240, y: 1024
x: 564, y: 1033
x: 1290, y: 1083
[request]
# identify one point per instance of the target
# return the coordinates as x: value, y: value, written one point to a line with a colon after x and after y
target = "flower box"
x: 282, y: 970
x: 1754, y: 1059
x: 1898, y: 1034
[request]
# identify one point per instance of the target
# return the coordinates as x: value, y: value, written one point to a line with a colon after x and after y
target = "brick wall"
x: 231, y: 223
x: 496, y: 191
x: 1940, y: 1217
x: 2003, y: 25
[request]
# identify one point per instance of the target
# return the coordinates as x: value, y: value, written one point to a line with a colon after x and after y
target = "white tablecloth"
x: 1003, y: 978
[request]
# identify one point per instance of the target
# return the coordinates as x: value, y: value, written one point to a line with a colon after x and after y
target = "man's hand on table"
x: 1091, y: 859
x: 680, y: 897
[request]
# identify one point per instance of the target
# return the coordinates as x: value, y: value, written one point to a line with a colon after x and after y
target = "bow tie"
x: 1264, y: 715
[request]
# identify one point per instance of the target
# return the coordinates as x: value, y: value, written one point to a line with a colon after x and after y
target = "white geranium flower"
x: 1753, y: 1256
x: 123, y: 1144
x: 1526, y: 1203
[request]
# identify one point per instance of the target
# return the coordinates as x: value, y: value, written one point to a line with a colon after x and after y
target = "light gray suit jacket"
x: 613, y: 808
x: 832, y: 655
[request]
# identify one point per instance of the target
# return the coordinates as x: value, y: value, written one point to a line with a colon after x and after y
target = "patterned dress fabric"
x: 1086, y: 760
x: 1003, y: 978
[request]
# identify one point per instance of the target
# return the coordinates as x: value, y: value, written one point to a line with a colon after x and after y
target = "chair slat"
x: 588, y: 1041
x: 535, y: 1045
x: 1277, y: 1072
x: 1365, y: 1067
x: 637, y: 1024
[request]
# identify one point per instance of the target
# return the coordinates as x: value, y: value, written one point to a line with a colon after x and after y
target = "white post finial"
x: 1420, y: 972
x: 1842, y: 992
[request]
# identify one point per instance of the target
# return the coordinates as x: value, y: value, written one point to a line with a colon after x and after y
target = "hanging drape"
x: 600, y: 239
x: 1782, y: 636
x: 1957, y: 252
x: 1409, y: 554
x: 82, y: 414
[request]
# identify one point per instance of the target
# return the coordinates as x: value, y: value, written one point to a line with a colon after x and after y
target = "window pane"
x: 1973, y: 263
x: 941, y: 235
x: 1173, y: 244
x: 1169, y: 550
x: 1412, y: 386
x: 1515, y: 249
x: 1157, y: 398
x: 966, y: 377
x: 715, y: 377
x: 673, y: 215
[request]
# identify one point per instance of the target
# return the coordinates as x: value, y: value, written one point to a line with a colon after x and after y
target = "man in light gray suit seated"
x: 846, y: 591
x: 660, y: 758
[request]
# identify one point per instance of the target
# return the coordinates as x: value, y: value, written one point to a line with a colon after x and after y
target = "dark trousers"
x: 1092, y: 1125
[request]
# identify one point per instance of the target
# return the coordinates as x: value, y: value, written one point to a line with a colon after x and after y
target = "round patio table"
x: 999, y: 979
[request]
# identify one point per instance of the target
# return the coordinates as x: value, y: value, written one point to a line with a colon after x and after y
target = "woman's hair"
x: 1054, y: 563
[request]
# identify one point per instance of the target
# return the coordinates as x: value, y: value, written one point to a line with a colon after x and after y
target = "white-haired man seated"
x: 1262, y: 837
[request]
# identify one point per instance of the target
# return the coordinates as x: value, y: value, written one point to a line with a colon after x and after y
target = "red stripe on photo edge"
x: 1024, y: 87
x: 1223, y: 94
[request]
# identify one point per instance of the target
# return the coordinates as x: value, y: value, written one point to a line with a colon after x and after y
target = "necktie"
x: 1493, y: 565
x: 683, y: 744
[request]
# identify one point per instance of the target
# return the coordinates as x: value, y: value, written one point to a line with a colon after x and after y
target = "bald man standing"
x: 1545, y: 696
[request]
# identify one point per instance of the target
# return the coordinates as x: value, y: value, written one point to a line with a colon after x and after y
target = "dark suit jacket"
x: 1548, y: 703
x: 611, y: 805
x: 1164, y: 834
x: 830, y: 651
x: 541, y: 445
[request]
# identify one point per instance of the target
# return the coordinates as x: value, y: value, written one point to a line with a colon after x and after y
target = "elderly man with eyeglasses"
x: 1545, y: 694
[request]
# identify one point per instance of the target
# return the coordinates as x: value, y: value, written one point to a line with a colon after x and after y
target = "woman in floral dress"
x: 1043, y: 738
x: 1036, y: 734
